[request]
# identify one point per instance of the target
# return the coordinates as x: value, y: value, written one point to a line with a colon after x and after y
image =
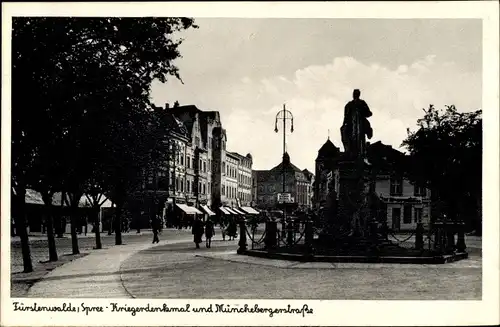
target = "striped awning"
x: 224, y: 211
x: 207, y: 210
x: 239, y: 212
x: 188, y: 209
x: 231, y: 211
x: 33, y: 197
x: 250, y: 210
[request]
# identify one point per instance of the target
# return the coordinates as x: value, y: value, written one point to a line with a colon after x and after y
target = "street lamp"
x: 284, y: 115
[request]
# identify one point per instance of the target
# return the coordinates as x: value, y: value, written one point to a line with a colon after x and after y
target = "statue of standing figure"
x: 356, y: 126
x: 354, y: 130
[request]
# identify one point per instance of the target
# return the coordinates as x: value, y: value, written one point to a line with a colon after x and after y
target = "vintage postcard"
x: 247, y: 164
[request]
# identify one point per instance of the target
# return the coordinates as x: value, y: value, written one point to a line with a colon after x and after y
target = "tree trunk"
x: 118, y: 223
x: 47, y: 199
x: 97, y: 226
x: 59, y: 218
x: 74, y: 219
x: 20, y: 219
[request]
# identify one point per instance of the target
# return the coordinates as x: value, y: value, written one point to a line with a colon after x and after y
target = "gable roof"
x: 328, y: 150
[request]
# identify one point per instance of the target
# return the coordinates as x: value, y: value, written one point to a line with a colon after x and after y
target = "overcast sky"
x: 247, y: 68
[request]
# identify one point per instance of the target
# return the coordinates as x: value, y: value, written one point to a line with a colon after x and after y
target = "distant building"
x: 405, y: 204
x: 244, y: 178
x: 269, y: 183
x: 199, y: 171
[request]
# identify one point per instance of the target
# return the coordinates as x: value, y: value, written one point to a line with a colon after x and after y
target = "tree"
x: 88, y: 68
x: 446, y: 156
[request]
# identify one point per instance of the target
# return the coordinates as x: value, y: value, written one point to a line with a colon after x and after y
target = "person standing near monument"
x: 356, y: 126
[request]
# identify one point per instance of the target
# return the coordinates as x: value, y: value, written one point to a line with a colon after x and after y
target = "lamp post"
x: 284, y: 115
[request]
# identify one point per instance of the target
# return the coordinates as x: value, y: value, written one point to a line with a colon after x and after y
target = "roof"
x: 240, y: 156
x: 328, y: 149
x: 386, y: 157
x: 173, y: 123
x: 203, y: 118
x: 287, y: 163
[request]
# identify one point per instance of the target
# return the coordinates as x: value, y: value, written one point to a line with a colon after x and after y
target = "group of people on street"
x: 199, y: 228
x: 228, y: 227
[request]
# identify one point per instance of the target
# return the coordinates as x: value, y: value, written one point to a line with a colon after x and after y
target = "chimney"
x: 167, y: 106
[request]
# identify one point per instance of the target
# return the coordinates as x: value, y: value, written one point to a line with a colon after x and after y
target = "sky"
x: 247, y: 69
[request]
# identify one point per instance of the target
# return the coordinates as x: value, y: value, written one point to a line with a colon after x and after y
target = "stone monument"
x: 350, y: 223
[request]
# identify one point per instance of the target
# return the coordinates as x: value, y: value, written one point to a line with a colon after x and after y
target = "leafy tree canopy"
x: 446, y: 154
x: 80, y: 91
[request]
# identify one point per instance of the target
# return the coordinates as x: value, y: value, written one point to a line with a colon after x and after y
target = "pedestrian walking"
x: 155, y: 225
x: 197, y: 231
x: 223, y: 230
x: 232, y: 229
x: 209, y: 232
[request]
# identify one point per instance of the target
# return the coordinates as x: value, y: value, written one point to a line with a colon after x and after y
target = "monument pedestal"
x: 347, y: 224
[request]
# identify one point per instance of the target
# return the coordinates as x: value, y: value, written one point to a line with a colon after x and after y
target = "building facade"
x: 244, y: 179
x: 200, y: 171
x: 405, y: 204
x: 284, y: 178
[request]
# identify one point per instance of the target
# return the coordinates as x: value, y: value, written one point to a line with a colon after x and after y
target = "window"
x: 223, y: 190
x: 182, y: 159
x: 204, y: 166
x: 192, y: 162
x: 177, y: 183
x: 200, y: 165
x: 188, y: 161
x: 407, y: 214
x: 396, y: 186
x: 199, y: 187
x: 419, y: 190
x: 188, y: 188
x: 204, y: 188
x: 223, y: 167
x: 209, y: 188
x: 396, y: 218
x: 182, y: 185
x: 418, y: 215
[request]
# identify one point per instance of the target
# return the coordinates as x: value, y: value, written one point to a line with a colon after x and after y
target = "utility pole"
x: 283, y: 115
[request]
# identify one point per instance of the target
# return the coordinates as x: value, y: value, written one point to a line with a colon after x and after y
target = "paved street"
x: 174, y: 269
x: 39, y: 253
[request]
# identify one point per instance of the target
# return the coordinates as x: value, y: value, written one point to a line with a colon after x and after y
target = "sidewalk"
x: 96, y: 275
x: 39, y: 236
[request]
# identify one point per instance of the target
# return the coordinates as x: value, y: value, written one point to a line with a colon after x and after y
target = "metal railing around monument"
x: 300, y: 236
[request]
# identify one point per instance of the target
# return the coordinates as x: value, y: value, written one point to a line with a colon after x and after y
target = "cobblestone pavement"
x: 179, y: 271
x: 39, y: 249
x: 21, y: 282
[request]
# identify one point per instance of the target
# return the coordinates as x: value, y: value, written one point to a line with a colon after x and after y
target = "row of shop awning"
x: 207, y: 210
x: 188, y: 209
x: 225, y: 210
x: 250, y: 210
x: 239, y: 211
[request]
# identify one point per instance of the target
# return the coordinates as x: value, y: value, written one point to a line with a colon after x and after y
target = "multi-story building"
x: 244, y: 180
x: 308, y: 189
x: 215, y: 171
x: 254, y: 186
x: 404, y: 204
x: 166, y: 185
x: 230, y: 185
x: 296, y: 183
